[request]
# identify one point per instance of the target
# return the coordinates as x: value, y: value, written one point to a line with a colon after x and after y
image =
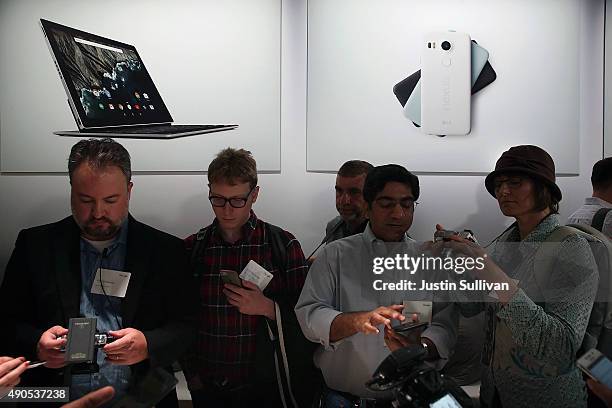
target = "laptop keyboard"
x: 159, y: 129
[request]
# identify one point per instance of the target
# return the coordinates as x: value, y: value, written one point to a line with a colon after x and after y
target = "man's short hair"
x: 379, y: 176
x: 99, y: 154
x: 233, y: 166
x: 601, y: 178
x: 354, y: 168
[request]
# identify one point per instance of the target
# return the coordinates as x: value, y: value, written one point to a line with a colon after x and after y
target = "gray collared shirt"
x: 340, y: 280
x: 585, y: 214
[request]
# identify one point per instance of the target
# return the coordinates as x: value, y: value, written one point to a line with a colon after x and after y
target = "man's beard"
x: 101, y: 233
x: 352, y: 216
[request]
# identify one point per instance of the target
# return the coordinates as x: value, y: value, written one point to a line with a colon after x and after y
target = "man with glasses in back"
x: 338, y: 308
x: 233, y: 364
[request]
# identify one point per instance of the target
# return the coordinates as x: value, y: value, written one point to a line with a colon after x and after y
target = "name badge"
x: 115, y: 282
x: 421, y: 308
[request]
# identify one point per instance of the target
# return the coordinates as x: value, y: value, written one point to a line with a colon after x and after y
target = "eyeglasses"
x: 236, y: 202
x: 388, y: 203
x: 511, y: 182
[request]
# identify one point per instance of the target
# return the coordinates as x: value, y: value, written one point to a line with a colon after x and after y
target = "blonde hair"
x: 233, y: 166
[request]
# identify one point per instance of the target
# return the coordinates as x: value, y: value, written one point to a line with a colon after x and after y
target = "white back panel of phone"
x: 446, y: 84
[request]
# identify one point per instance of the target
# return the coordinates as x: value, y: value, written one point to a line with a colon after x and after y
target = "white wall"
x: 359, y: 49
x: 302, y: 202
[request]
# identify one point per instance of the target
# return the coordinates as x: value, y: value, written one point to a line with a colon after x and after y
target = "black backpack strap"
x: 199, y: 244
x: 279, y: 242
x: 599, y: 218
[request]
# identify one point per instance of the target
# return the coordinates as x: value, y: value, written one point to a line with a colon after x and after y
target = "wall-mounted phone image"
x: 446, y: 83
x: 229, y: 276
x: 597, y: 366
x: 482, y: 75
x: 479, y: 56
x: 410, y: 87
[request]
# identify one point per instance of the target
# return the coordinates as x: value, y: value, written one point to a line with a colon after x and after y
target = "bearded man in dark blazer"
x: 76, y: 267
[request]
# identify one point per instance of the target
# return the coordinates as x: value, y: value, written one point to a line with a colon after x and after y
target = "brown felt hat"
x: 530, y: 160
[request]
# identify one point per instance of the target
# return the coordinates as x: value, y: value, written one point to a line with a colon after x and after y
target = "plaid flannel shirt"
x: 226, y: 345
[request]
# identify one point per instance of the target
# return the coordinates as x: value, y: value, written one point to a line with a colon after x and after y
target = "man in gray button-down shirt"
x: 601, y: 179
x: 337, y: 308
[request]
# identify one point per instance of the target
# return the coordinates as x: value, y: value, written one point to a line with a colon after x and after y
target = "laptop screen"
x: 106, y: 80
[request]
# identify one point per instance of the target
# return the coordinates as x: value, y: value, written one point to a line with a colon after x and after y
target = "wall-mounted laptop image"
x: 110, y: 92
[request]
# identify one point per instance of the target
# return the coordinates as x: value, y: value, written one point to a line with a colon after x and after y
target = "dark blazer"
x: 42, y: 285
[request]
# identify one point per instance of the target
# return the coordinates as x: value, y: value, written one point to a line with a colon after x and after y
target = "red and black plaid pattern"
x: 226, y: 343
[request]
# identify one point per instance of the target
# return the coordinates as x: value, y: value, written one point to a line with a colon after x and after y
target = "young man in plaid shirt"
x: 233, y: 364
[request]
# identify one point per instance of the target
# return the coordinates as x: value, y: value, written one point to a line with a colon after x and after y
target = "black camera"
x: 414, y: 383
x: 83, y: 343
x: 446, y: 45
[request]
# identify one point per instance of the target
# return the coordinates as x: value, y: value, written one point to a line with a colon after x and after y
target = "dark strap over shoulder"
x: 599, y: 218
x: 199, y: 244
x: 279, y: 242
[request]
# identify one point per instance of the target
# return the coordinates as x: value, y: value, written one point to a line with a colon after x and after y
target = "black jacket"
x: 42, y: 285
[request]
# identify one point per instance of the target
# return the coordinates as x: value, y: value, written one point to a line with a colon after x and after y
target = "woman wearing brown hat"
x: 535, y: 328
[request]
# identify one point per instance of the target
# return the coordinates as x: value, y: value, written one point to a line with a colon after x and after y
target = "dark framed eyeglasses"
x: 388, y: 203
x: 236, y: 202
x: 513, y: 182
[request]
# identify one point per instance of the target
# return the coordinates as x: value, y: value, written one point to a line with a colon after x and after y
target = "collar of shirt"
x: 247, y: 230
x: 369, y: 238
x: 541, y: 231
x: 598, y: 202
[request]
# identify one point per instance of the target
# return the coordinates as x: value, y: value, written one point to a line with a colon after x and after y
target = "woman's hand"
x: 490, y: 272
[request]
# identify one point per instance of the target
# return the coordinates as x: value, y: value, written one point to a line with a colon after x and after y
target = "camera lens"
x: 446, y: 45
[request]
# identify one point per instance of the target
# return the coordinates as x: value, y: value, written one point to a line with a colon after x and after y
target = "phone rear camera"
x: 446, y: 45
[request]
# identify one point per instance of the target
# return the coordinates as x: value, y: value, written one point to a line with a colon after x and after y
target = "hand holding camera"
x: 130, y: 347
x: 465, y: 245
x: 452, y: 243
x: 50, y: 345
x: 406, y: 333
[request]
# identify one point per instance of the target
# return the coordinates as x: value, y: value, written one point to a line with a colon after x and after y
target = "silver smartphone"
x: 597, y: 366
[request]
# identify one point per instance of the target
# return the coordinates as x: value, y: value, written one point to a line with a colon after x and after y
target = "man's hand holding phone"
x: 405, y: 334
x: 231, y: 277
x: 246, y: 296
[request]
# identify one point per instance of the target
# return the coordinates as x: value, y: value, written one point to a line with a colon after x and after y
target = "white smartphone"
x: 597, y: 366
x: 446, y: 71
x: 447, y: 401
x: 479, y: 57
